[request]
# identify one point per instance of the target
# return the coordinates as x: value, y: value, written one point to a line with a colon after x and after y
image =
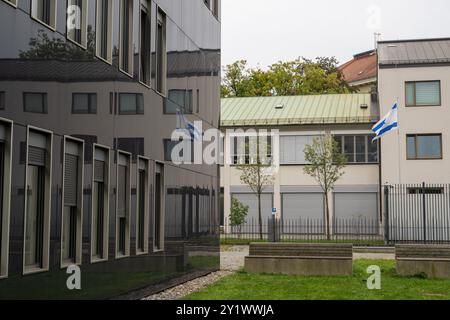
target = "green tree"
x: 44, y: 47
x: 238, y: 213
x: 284, y: 78
x: 326, y: 165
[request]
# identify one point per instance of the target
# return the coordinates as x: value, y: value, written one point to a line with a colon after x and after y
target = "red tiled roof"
x: 362, y: 67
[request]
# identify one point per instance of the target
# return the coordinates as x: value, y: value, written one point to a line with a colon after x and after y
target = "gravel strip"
x: 187, y: 288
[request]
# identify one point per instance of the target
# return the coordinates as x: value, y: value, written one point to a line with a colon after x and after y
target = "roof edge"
x: 414, y: 40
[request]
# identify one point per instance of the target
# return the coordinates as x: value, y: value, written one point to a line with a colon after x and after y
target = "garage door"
x: 356, y: 212
x: 303, y: 213
x: 251, y: 201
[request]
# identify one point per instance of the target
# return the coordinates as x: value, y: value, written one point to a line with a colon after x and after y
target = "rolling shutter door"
x: 303, y: 213
x: 303, y: 206
x: 99, y: 171
x: 356, y: 213
x: 356, y: 205
x: 251, y: 201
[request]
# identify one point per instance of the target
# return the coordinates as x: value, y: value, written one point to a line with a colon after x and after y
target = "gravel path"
x: 232, y: 257
x: 190, y: 287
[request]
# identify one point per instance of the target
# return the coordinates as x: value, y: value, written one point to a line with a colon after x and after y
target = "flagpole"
x: 399, y: 149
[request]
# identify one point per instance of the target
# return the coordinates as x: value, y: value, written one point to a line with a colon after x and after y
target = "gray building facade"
x: 89, y: 96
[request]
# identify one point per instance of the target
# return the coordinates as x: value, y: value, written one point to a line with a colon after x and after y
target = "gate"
x: 417, y: 213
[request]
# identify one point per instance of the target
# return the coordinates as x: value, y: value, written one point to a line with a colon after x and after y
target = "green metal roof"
x: 297, y: 110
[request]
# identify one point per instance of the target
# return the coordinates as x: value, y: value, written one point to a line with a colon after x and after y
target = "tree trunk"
x: 260, y: 217
x: 327, y: 212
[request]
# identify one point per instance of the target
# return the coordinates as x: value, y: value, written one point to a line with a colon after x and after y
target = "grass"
x: 244, y: 286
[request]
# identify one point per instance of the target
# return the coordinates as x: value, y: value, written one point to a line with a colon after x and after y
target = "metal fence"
x: 412, y: 213
x: 359, y: 231
x: 417, y: 213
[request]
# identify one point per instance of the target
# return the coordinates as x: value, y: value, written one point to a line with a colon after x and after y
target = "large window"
x: 424, y: 146
x: 245, y: 149
x: 123, y: 193
x: 37, y: 201
x: 423, y: 93
x: 131, y: 103
x: 72, y: 206
x: 100, y: 204
x: 158, y: 217
x: 179, y: 100
x: 44, y: 11
x: 84, y: 103
x: 126, y: 36
x: 358, y: 148
x: 161, y: 54
x: 103, y: 31
x: 142, y: 205
x: 77, y: 21
x: 145, y: 47
x: 5, y: 193
x: 35, y: 102
x: 292, y: 149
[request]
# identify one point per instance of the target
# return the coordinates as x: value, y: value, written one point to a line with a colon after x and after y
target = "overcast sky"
x: 266, y: 31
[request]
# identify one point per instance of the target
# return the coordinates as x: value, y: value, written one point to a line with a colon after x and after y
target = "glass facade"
x: 107, y: 85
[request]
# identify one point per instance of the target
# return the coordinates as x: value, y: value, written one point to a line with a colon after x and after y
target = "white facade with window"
x: 419, y: 151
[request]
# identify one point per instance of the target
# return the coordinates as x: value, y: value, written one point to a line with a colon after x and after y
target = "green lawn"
x: 243, y: 286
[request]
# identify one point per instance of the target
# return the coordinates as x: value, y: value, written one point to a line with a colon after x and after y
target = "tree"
x: 238, y: 213
x: 257, y: 174
x: 44, y: 47
x: 326, y: 166
x: 284, y: 78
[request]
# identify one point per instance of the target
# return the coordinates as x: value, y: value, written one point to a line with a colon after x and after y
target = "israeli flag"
x: 387, y: 124
x: 186, y: 127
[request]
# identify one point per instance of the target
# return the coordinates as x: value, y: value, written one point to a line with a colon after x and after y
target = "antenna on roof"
x: 376, y: 37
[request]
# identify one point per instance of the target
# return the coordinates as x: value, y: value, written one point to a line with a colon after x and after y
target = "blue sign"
x: 274, y: 211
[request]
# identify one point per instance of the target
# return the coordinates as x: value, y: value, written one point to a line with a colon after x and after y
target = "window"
x: 77, y: 21
x: 44, y: 11
x: 216, y: 8
x: 198, y: 101
x: 145, y: 48
x: 358, y: 148
x: 89, y: 142
x: 292, y: 149
x: 37, y: 201
x: 131, y: 103
x: 423, y: 93
x: 5, y: 193
x: 426, y: 190
x: 72, y: 210
x: 104, y: 27
x: 424, y: 146
x: 161, y: 54
x: 185, y: 154
x: 245, y: 149
x: 2, y: 100
x: 84, y: 103
x: 158, y: 223
x: 100, y: 204
x: 35, y: 102
x: 126, y: 36
x: 123, y: 192
x: 179, y: 100
x: 143, y: 206
x: 135, y: 146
